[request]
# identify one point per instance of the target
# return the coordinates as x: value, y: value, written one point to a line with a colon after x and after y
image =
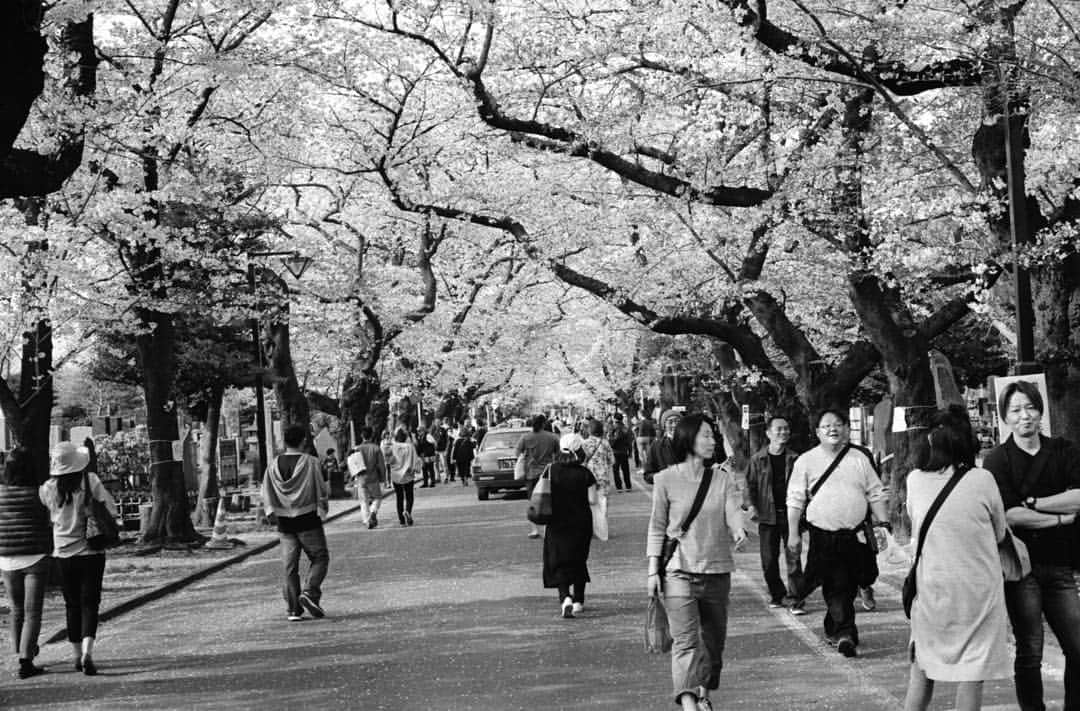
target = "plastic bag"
x: 540, y: 503
x: 890, y: 553
x: 599, y: 519
x: 657, y: 632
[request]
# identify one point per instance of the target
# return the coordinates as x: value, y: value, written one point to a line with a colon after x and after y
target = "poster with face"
x: 1019, y: 417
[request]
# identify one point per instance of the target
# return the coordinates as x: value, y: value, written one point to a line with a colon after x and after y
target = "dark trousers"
x: 835, y: 560
x: 81, y: 577
x: 773, y: 539
x: 464, y: 469
x: 1048, y: 591
x: 313, y: 543
x: 26, y: 593
x: 622, y: 464
x: 579, y: 592
x: 404, y: 495
x: 429, y: 472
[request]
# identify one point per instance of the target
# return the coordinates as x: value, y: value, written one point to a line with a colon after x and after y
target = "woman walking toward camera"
x: 696, y: 581
x: 25, y: 545
x: 958, y: 617
x: 569, y: 532
x: 66, y: 496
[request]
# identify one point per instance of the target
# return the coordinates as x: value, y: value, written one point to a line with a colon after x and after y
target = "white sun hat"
x: 68, y: 458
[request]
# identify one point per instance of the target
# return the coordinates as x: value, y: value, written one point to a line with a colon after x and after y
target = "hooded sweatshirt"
x: 298, y: 499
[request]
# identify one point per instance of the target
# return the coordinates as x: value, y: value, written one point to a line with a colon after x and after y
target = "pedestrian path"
x: 449, y: 615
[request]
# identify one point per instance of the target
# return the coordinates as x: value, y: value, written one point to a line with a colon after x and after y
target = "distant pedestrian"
x: 569, y: 532
x: 331, y: 468
x: 25, y: 545
x: 442, y: 450
x: 425, y: 448
x: 82, y: 568
x: 539, y: 448
x: 464, y: 451
x: 368, y: 467
x: 696, y: 583
x: 958, y: 619
x: 621, y: 440
x: 452, y: 435
x: 403, y: 462
x: 766, y: 491
x: 294, y: 491
x: 1039, y: 481
x: 662, y: 451
x: 834, y: 516
x: 600, y: 460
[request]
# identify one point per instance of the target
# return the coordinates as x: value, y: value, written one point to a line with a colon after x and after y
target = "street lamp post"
x: 296, y: 264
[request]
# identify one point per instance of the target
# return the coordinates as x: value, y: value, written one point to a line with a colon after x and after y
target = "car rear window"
x: 502, y: 440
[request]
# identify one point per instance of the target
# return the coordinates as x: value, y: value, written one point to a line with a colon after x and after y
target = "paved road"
x: 449, y: 615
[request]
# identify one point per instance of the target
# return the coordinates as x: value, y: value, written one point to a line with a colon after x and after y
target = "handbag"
x: 540, y: 502
x: 101, y: 529
x: 657, y: 631
x: 520, y: 468
x: 1015, y: 561
x: 907, y: 593
x: 671, y: 544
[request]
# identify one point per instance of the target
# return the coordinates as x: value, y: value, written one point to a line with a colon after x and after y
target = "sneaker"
x: 568, y: 609
x: 534, y: 534
x: 846, y: 646
x: 774, y: 604
x: 704, y: 705
x: 798, y: 608
x: 578, y: 607
x: 867, y: 596
x: 27, y: 669
x: 373, y: 521
x: 88, y: 667
x: 295, y: 617
x: 311, y: 606
x: 408, y: 519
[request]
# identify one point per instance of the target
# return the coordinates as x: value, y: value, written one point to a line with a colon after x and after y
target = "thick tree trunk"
x: 292, y: 405
x: 22, y: 53
x: 170, y: 519
x: 205, y: 509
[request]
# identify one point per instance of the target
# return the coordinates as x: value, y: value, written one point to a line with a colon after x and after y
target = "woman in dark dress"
x: 568, y: 535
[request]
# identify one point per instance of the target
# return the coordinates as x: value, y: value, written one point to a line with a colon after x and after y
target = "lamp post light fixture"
x: 296, y: 264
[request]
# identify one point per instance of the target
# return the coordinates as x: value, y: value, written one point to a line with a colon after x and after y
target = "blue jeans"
x: 773, y: 539
x: 1049, y: 591
x: 26, y: 592
x: 697, y: 608
x: 313, y: 543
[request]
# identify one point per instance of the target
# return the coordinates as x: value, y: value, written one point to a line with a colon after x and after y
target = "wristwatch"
x: 1029, y: 502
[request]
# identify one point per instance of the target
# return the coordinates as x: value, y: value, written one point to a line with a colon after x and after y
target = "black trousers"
x: 404, y: 495
x: 579, y: 592
x: 836, y: 560
x: 622, y: 464
x: 81, y: 577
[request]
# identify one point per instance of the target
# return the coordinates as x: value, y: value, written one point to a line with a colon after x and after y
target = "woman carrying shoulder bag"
x: 25, y: 544
x: 81, y: 566
x: 696, y: 582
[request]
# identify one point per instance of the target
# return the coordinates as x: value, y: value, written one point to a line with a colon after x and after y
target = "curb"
x: 176, y: 585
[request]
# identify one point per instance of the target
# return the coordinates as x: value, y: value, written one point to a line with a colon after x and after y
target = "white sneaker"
x: 568, y: 608
x: 577, y: 608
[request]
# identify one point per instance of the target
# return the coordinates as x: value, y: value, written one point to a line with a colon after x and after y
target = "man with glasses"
x: 1039, y: 481
x: 834, y: 517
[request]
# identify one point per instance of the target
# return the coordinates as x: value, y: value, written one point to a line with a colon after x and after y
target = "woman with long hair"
x: 569, y: 531
x: 696, y: 581
x: 958, y: 617
x: 25, y: 545
x: 403, y: 462
x: 82, y: 567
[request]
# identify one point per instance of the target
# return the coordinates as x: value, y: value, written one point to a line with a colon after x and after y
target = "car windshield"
x: 502, y: 440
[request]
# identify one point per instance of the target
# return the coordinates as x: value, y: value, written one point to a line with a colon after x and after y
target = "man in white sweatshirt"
x: 295, y: 492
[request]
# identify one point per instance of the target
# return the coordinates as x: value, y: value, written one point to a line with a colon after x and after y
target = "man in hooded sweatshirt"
x: 295, y: 492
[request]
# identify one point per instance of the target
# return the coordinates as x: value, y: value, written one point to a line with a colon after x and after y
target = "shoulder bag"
x: 672, y: 544
x: 907, y: 594
x: 540, y: 511
x: 101, y: 529
x: 803, y: 524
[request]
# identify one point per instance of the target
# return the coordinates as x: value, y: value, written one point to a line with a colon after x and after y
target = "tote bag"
x: 540, y: 502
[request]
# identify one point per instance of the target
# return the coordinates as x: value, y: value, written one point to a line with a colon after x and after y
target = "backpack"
x: 619, y: 439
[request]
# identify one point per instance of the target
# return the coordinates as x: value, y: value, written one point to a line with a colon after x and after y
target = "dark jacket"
x: 759, y: 483
x: 661, y: 456
x: 25, y: 528
x: 463, y: 451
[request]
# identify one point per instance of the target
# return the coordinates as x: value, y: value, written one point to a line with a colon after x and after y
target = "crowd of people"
x: 996, y: 540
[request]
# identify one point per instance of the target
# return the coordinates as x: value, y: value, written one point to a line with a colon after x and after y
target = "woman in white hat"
x: 569, y: 533
x: 81, y: 566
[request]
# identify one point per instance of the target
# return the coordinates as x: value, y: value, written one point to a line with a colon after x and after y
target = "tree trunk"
x: 292, y: 405
x: 170, y: 520
x: 205, y: 509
